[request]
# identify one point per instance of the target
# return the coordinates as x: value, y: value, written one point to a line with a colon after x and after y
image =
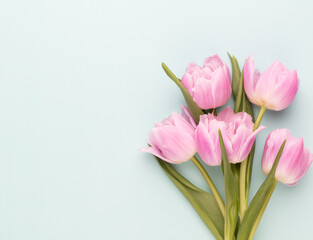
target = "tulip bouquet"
x: 227, y: 138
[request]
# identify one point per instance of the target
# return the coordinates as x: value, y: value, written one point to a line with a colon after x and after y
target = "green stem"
x: 259, y: 118
x: 211, y: 184
x: 262, y: 210
x: 243, y: 173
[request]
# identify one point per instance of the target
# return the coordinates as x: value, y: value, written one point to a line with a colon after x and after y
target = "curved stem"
x: 262, y: 210
x: 243, y: 172
x: 259, y: 117
x: 211, y: 185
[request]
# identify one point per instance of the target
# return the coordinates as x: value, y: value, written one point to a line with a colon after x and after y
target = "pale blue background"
x: 81, y: 85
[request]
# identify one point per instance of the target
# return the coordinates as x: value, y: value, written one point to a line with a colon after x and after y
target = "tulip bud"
x: 294, y: 161
x: 237, y: 132
x: 172, y: 140
x: 210, y: 85
x: 274, y: 89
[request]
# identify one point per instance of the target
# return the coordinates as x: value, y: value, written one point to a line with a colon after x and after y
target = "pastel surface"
x: 81, y: 85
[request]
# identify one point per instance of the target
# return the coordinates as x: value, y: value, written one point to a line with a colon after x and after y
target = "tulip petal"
x: 210, y: 85
x: 289, y: 167
x: 206, y: 146
x: 251, y: 77
x: 246, y: 147
x: 275, y: 88
x: 237, y: 132
x: 271, y: 147
x: 214, y: 61
x: 203, y: 95
x: 187, y: 79
x: 175, y: 144
x: 226, y: 115
x: 243, y: 142
x: 155, y: 152
x: 295, y: 159
x: 285, y: 92
x: 245, y: 119
x: 220, y: 85
x: 187, y: 116
x: 268, y: 80
x: 302, y: 168
x: 180, y: 122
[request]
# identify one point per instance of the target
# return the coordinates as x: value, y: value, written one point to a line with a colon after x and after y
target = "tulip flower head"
x: 274, y: 89
x: 210, y: 85
x: 237, y: 132
x: 172, y: 140
x: 294, y: 161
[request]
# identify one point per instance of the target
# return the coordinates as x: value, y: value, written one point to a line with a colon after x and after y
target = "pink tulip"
x: 210, y: 85
x: 274, y: 89
x: 295, y: 159
x: 237, y: 132
x: 173, y: 140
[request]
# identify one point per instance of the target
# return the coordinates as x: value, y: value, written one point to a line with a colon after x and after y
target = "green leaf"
x: 247, y: 107
x: 238, y: 88
x: 231, y: 194
x: 235, y: 75
x: 242, y: 104
x: 193, y: 107
x: 258, y: 200
x: 239, y: 97
x: 236, y: 172
x: 203, y: 202
x: 249, y: 169
x: 246, y: 104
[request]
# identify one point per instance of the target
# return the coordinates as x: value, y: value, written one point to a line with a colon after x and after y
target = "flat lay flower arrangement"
x: 227, y: 138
